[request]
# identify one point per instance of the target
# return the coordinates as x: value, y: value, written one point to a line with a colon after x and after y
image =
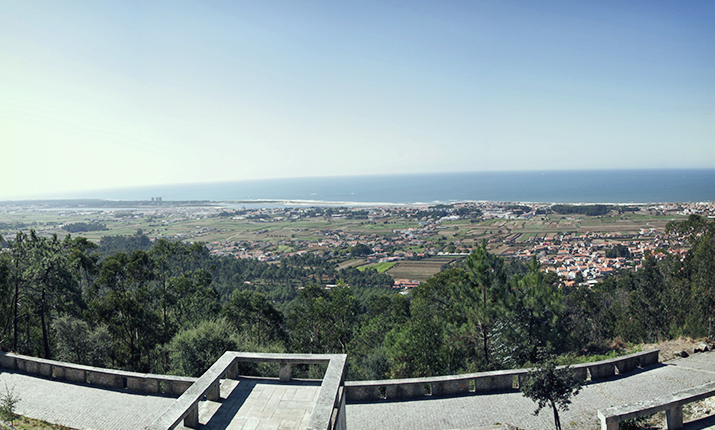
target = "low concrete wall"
x: 672, y: 404
x: 108, y: 378
x: 484, y: 382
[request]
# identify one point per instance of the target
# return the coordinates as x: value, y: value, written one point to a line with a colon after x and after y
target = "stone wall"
x: 107, y: 378
x: 484, y: 382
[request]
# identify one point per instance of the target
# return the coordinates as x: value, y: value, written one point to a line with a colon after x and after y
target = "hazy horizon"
x: 572, y: 186
x: 109, y: 95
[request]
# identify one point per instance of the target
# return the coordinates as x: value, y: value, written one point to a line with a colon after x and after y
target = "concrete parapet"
x: 405, y: 390
x: 329, y: 410
x: 581, y: 372
x: 501, y: 380
x: 362, y: 393
x: 140, y: 382
x: 176, y: 387
x: 600, y: 370
x: 450, y: 387
x: 649, y: 358
x: 672, y: 404
x: 105, y: 379
x: 143, y: 384
x: 627, y: 365
x: 8, y: 361
x: 35, y: 367
x: 73, y: 374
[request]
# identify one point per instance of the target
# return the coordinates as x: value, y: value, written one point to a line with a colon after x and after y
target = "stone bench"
x: 672, y: 404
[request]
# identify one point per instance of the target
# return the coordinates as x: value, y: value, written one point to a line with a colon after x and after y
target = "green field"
x: 380, y: 267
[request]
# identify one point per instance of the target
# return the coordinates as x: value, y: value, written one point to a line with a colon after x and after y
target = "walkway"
x: 249, y: 404
x: 82, y: 406
x: 260, y: 404
x: 514, y: 408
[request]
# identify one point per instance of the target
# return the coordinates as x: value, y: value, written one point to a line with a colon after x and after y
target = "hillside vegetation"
x: 172, y: 307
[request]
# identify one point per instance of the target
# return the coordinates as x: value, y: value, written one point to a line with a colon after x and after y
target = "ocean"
x: 602, y: 186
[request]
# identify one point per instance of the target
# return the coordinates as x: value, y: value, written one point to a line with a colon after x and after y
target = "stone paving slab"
x: 259, y: 404
x: 514, y: 408
x: 82, y: 406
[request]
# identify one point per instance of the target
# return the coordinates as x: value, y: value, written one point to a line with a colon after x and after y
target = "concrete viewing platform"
x: 260, y: 404
x: 84, y: 397
x: 244, y: 404
x: 223, y: 400
x: 482, y: 410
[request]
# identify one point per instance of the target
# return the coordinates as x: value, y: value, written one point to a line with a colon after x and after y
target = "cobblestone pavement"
x: 513, y: 408
x: 81, y: 406
x: 253, y: 404
x: 247, y: 404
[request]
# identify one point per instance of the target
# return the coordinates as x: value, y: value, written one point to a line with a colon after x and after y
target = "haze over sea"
x: 603, y: 186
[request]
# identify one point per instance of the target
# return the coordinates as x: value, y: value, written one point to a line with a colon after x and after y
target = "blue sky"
x: 98, y: 95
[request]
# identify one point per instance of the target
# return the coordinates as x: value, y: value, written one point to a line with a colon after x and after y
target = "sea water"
x: 603, y: 186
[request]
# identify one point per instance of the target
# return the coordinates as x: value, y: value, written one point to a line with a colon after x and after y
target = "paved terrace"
x: 261, y: 404
x: 513, y: 408
x: 245, y: 404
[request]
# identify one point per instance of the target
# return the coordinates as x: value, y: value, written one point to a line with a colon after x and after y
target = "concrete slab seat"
x: 485, y: 382
x: 329, y: 410
x: 106, y: 378
x: 672, y: 404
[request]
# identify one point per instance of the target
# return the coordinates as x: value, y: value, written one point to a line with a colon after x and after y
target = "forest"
x: 169, y: 307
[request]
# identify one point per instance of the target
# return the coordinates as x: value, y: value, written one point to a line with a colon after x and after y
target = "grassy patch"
x: 24, y: 423
x: 380, y: 267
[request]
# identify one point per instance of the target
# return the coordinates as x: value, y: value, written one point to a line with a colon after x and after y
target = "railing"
x: 672, y: 404
x: 484, y: 382
x: 329, y: 410
x: 106, y: 378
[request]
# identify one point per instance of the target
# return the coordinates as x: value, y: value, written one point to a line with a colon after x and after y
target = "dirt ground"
x: 668, y: 349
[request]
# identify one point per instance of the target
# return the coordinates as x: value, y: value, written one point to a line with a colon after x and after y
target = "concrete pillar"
x: 627, y: 365
x: 8, y: 361
x: 192, y: 419
x: 674, y: 418
x: 284, y: 372
x: 607, y: 423
x: 232, y: 372
x: 613, y: 425
x: 214, y: 392
x: 649, y: 358
x: 341, y: 420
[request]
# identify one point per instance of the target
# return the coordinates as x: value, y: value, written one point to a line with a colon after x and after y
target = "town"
x: 409, y: 243
x: 574, y: 256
